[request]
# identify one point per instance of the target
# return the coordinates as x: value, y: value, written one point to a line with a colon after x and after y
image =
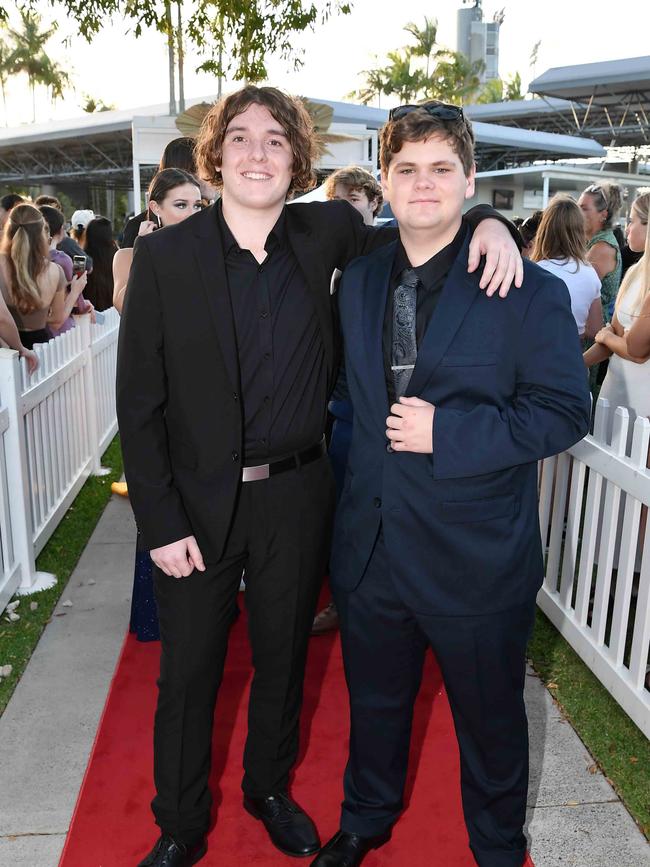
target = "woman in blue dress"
x: 174, y: 195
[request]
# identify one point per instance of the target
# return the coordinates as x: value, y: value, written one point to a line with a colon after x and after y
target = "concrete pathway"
x: 47, y: 732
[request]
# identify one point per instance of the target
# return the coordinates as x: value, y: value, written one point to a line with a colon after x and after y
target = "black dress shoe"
x: 290, y: 828
x: 168, y: 853
x: 348, y: 850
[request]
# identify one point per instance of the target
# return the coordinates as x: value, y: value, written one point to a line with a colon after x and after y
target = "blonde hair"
x: 607, y: 197
x: 26, y: 248
x: 561, y: 232
x: 641, y: 270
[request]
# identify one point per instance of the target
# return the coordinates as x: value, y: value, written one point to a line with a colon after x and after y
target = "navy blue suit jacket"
x: 509, y: 385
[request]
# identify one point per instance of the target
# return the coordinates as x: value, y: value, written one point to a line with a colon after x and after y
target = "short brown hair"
x: 419, y: 125
x: 288, y: 111
x: 50, y: 201
x: 357, y: 179
x: 561, y: 232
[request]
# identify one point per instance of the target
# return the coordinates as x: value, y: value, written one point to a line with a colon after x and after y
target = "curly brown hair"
x: 356, y: 179
x: 288, y: 111
x: 419, y: 125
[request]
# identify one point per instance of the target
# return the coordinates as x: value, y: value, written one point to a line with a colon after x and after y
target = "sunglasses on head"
x: 441, y: 110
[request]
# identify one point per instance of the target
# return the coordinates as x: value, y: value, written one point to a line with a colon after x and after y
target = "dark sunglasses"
x: 441, y: 110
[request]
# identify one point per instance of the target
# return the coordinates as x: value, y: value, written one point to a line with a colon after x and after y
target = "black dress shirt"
x: 282, y: 361
x: 433, y: 273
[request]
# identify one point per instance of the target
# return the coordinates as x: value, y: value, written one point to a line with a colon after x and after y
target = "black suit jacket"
x: 178, y: 385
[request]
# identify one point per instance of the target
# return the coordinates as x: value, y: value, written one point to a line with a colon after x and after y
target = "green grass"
x: 620, y: 749
x: 60, y: 556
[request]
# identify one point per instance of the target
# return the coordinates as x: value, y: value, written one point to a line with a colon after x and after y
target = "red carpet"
x: 113, y: 827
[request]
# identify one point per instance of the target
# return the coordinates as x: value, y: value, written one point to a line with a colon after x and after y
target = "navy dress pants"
x: 482, y: 659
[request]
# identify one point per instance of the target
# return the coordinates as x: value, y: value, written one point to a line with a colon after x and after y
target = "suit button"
x: 235, y: 456
x: 377, y: 502
x: 235, y: 395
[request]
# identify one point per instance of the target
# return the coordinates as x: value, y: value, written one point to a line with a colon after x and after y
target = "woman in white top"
x: 628, y: 377
x: 560, y: 247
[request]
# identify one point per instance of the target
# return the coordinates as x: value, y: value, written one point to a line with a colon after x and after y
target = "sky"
x: 130, y: 72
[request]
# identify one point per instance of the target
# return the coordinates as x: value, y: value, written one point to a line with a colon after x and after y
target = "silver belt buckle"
x: 255, y: 474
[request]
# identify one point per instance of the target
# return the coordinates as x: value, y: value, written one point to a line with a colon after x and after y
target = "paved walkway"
x: 47, y: 732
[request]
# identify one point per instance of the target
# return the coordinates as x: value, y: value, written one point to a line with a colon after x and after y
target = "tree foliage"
x: 446, y: 75
x: 27, y: 54
x: 234, y: 36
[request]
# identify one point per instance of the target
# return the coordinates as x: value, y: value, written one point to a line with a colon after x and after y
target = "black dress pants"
x: 280, y: 535
x: 482, y: 659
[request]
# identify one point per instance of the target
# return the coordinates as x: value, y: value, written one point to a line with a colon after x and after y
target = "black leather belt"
x: 293, y: 462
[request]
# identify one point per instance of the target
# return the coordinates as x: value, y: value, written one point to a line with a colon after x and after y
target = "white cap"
x: 81, y: 218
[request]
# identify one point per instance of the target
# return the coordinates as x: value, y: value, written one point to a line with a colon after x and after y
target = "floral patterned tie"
x: 405, y: 349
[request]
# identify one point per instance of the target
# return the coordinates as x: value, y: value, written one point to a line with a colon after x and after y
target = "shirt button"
x: 235, y: 456
x: 267, y: 356
x: 235, y: 395
x: 377, y: 502
x: 264, y: 314
x: 263, y: 441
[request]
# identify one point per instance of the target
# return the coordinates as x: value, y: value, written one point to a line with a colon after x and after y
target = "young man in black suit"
x: 227, y: 353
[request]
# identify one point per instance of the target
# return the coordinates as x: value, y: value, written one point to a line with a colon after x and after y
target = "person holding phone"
x: 173, y: 195
x: 73, y: 268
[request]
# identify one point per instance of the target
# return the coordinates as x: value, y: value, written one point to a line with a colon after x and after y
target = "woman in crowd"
x: 628, y: 377
x: 560, y: 248
x: 179, y: 154
x: 99, y: 244
x: 55, y: 228
x: 528, y: 230
x: 174, y: 195
x: 78, y: 223
x: 600, y: 204
x: 33, y: 288
x: 6, y: 204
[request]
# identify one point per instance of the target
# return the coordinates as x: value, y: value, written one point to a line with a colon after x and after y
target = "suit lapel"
x: 310, y: 258
x: 209, y: 257
x: 373, y: 310
x: 457, y: 296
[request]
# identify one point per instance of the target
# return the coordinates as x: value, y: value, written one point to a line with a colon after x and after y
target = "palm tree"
x: 426, y: 39
x: 455, y: 78
x: 401, y: 81
x: 376, y: 83
x: 6, y: 69
x: 29, y: 56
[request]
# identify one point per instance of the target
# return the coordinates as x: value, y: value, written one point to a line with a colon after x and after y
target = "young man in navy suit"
x: 456, y: 397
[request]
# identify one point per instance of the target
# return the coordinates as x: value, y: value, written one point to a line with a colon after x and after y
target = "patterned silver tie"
x: 405, y: 348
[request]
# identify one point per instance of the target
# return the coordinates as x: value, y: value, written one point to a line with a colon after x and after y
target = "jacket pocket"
x: 473, y: 511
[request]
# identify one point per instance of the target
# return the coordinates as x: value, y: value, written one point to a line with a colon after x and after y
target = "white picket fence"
x: 54, y: 427
x: 597, y: 586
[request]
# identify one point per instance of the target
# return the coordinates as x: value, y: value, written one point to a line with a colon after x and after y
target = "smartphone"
x: 78, y: 264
